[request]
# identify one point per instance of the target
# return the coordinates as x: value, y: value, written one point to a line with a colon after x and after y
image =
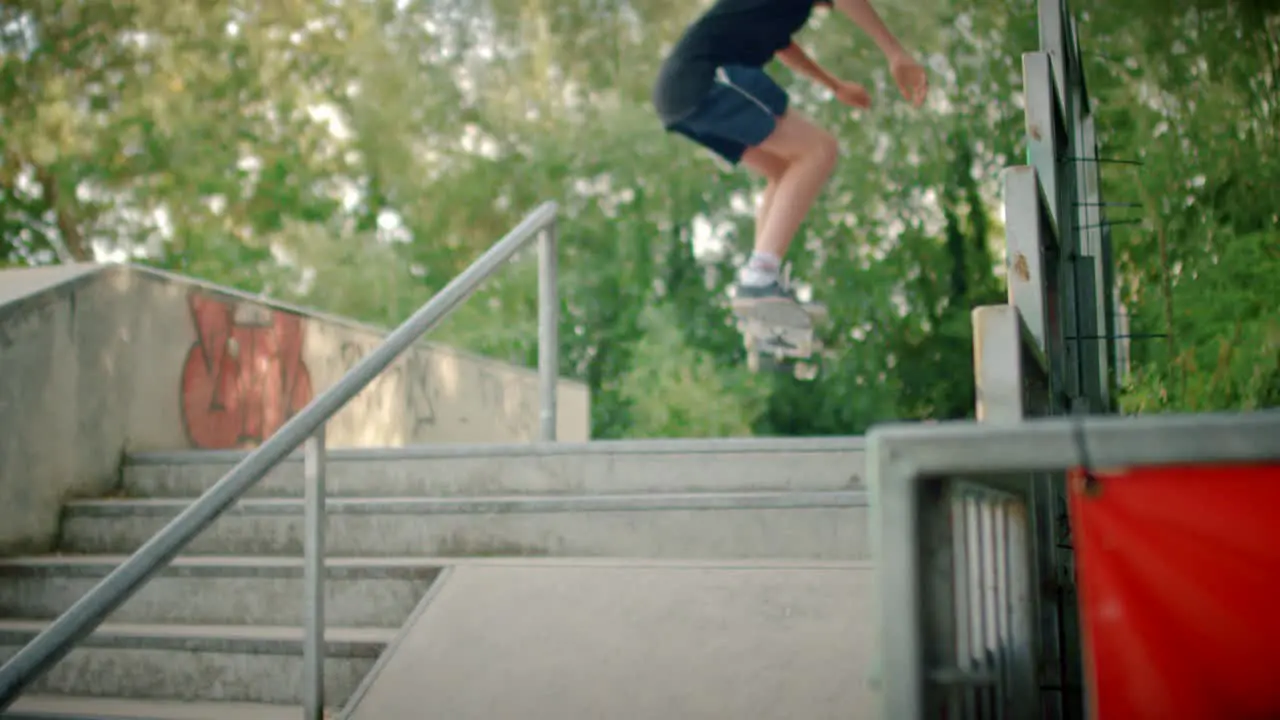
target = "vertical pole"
x: 997, y: 364
x: 313, y: 577
x: 548, y: 330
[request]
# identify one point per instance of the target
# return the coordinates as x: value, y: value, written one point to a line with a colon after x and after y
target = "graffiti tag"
x: 244, y: 375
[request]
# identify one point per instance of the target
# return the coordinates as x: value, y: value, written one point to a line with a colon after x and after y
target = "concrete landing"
x: 632, y: 640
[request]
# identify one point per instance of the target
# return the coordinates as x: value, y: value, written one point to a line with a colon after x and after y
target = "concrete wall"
x: 65, y: 379
x: 96, y: 361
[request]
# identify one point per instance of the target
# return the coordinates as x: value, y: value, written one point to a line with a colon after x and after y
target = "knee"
x: 824, y: 150
x: 775, y: 168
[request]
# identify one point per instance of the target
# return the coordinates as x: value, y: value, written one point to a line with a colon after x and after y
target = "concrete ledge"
x: 213, y: 566
x: 188, y: 677
x: 26, y: 289
x: 257, y: 640
x: 222, y: 590
x: 200, y: 663
x: 489, y: 505
x: 486, y: 450
x: 570, y: 469
x: 831, y: 530
x: 445, y: 562
x: 46, y: 707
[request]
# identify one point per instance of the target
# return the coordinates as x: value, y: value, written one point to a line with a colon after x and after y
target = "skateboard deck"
x: 778, y: 333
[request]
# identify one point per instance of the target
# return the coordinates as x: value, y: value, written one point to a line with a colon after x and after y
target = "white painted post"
x: 1026, y: 238
x: 1044, y: 126
x: 997, y: 363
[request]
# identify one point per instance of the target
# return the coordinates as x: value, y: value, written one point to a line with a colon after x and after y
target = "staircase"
x: 217, y: 634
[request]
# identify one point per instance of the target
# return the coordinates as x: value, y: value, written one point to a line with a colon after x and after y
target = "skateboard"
x: 779, y: 336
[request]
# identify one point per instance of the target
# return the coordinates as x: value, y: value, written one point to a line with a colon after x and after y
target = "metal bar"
x: 895, y: 534
x: 1004, y: 659
x: 1105, y: 161
x: 963, y: 591
x: 1022, y: 610
x: 88, y: 612
x: 973, y: 546
x: 1098, y: 247
x: 548, y: 332
x: 313, y: 547
x: 986, y: 584
x: 1113, y: 223
x: 1132, y: 336
x: 1069, y: 300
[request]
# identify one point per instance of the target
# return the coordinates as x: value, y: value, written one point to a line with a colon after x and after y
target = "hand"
x: 852, y: 94
x: 910, y: 77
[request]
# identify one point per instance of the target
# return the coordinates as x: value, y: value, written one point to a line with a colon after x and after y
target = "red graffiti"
x: 244, y: 375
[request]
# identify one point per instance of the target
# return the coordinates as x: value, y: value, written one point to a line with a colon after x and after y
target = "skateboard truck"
x: 783, y: 348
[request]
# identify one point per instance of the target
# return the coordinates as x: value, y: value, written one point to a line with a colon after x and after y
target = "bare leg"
x: 766, y: 204
x: 797, y: 158
x: 771, y: 167
x: 809, y: 156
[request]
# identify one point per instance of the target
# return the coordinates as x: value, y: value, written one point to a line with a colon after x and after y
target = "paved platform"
x: 632, y: 640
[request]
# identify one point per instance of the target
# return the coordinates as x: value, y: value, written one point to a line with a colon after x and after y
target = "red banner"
x: 1179, y: 573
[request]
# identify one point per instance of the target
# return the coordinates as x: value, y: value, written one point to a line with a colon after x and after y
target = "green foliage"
x: 674, y: 390
x: 1227, y: 353
x: 1201, y: 265
x: 355, y: 156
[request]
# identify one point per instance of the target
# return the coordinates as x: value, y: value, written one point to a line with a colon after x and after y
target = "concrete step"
x: 235, y: 663
x: 56, y: 707
x: 671, y: 466
x: 359, y: 592
x: 799, y: 525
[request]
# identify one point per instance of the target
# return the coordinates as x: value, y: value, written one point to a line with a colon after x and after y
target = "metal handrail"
x: 307, y: 426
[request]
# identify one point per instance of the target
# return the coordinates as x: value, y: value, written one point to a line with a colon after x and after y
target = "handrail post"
x: 313, y: 575
x: 548, y: 332
x: 87, y: 613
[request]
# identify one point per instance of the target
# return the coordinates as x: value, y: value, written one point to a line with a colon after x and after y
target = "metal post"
x: 548, y: 332
x: 313, y: 574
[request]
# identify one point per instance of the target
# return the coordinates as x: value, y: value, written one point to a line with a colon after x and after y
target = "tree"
x: 355, y: 156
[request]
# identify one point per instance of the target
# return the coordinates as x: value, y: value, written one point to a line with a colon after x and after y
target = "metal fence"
x: 1051, y: 350
x: 957, y: 562
x: 981, y: 576
x: 976, y: 549
x: 1061, y: 270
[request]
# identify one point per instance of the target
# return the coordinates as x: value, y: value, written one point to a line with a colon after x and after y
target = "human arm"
x: 849, y: 93
x: 796, y: 59
x: 906, y: 71
x: 865, y: 16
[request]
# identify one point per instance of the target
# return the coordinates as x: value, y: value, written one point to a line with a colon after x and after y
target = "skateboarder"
x: 712, y: 88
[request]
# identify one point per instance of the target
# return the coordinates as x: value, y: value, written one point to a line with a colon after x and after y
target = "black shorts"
x: 739, y: 111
